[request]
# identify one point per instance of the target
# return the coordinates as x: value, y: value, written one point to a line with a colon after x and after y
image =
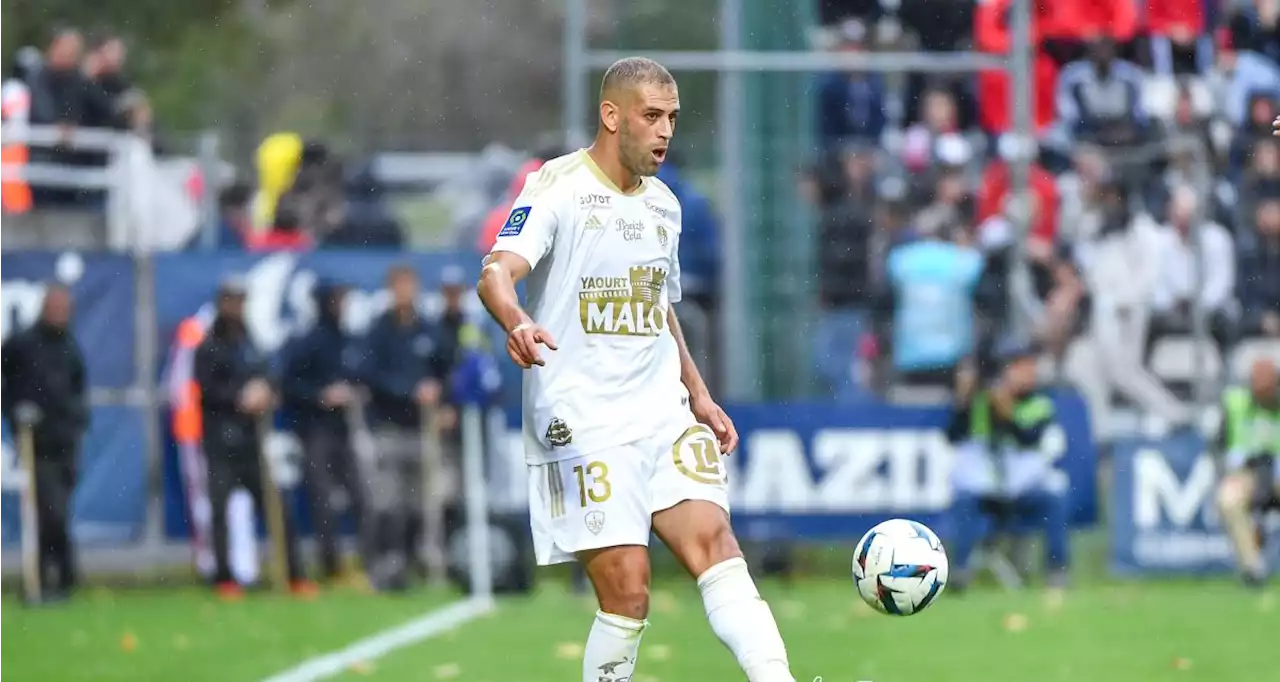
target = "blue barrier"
x: 103, y: 288
x: 1162, y: 513
x: 110, y: 503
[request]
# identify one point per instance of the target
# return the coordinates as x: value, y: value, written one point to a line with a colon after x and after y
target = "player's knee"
x: 711, y: 546
x: 621, y: 581
x: 1232, y: 494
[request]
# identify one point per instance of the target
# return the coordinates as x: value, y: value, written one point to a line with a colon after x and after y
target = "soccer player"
x: 621, y: 434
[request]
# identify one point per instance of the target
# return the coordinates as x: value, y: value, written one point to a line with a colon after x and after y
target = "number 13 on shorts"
x: 593, y: 482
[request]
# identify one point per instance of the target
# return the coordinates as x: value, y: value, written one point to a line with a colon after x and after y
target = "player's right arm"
x: 523, y: 241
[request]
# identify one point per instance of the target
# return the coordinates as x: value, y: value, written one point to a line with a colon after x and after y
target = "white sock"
x: 743, y: 621
x: 612, y: 647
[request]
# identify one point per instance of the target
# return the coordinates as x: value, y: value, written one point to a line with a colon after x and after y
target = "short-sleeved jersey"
x: 604, y: 275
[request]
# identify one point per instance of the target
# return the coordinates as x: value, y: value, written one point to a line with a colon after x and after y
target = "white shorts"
x: 608, y: 498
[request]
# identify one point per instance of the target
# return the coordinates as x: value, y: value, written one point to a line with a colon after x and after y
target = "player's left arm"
x: 704, y: 408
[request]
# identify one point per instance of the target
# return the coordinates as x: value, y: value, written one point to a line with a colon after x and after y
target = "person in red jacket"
x: 1068, y: 24
x: 497, y: 217
x: 286, y: 234
x: 1178, y: 40
x: 995, y: 187
x: 992, y: 35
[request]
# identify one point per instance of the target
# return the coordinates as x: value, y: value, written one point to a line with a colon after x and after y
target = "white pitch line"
x: 430, y: 625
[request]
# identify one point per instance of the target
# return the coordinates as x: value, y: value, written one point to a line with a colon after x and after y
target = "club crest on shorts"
x: 558, y: 433
x: 595, y: 521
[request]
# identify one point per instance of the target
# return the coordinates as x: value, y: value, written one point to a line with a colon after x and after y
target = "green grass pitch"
x: 1183, y: 631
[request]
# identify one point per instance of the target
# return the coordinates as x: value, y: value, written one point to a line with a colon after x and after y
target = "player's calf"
x: 620, y: 576
x: 1234, y: 496
x: 699, y: 534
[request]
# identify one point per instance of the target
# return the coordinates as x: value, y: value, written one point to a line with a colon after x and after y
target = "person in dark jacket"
x: 317, y: 383
x: 58, y: 93
x: 367, y: 220
x: 235, y: 404
x: 404, y: 372
x: 44, y: 387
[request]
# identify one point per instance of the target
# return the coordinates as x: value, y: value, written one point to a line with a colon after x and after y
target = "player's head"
x: 638, y: 107
x: 1264, y: 379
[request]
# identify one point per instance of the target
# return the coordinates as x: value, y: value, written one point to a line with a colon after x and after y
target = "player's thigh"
x: 589, y: 502
x: 691, y: 499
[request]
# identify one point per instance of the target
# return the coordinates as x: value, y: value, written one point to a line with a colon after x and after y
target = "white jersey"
x: 604, y: 275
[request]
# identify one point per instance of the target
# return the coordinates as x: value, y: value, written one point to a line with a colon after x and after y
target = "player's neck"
x: 610, y: 165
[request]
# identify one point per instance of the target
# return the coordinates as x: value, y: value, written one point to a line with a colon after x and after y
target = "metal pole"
x: 739, y: 60
x: 146, y: 349
x: 1021, y: 56
x: 477, y: 502
x: 575, y: 71
x: 741, y: 370
x: 207, y: 155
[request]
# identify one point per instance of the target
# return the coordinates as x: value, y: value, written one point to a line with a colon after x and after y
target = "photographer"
x: 1249, y: 442
x: 235, y: 400
x: 1004, y: 478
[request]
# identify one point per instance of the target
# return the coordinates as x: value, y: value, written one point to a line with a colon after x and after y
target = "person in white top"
x: 622, y: 437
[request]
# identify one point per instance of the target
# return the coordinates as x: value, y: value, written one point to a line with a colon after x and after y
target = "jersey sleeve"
x: 530, y: 229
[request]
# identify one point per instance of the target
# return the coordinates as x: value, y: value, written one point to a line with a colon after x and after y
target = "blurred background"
x: 887, y: 205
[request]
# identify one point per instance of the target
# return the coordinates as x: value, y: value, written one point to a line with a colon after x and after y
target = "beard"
x: 637, y: 159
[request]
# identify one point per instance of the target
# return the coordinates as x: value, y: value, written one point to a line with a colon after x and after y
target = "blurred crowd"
x: 1155, y: 195
x: 305, y: 197
x: 74, y: 82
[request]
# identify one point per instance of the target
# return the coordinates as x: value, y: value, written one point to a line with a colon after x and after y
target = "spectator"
x: 1261, y: 174
x: 1068, y: 25
x: 844, y: 274
x: 111, y: 101
x: 1178, y: 41
x: 939, y: 118
x: 57, y: 88
x: 15, y: 111
x: 1261, y: 112
x: 1100, y: 98
x: 1257, y: 28
x: 286, y: 233
x: 851, y: 105
x: 234, y: 220
x: 932, y: 282
x: 1120, y: 272
x: 992, y: 35
x: 1259, y: 273
x: 699, y: 238
x: 1241, y: 74
x: 994, y: 190
x: 367, y: 221
x: 1187, y: 271
x: 939, y: 26
x: 498, y: 216
x: 1078, y: 193
x: 58, y: 98
x: 316, y: 196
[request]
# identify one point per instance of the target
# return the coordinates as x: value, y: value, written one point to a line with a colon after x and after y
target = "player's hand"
x: 337, y: 394
x: 706, y: 411
x: 427, y: 392
x: 522, y: 344
x: 1275, y: 127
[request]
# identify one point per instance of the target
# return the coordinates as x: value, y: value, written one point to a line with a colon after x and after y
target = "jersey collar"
x: 604, y: 179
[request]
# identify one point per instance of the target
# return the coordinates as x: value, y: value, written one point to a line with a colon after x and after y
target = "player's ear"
x: 609, y: 116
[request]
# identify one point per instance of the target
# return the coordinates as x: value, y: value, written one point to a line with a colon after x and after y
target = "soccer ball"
x: 900, y: 567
